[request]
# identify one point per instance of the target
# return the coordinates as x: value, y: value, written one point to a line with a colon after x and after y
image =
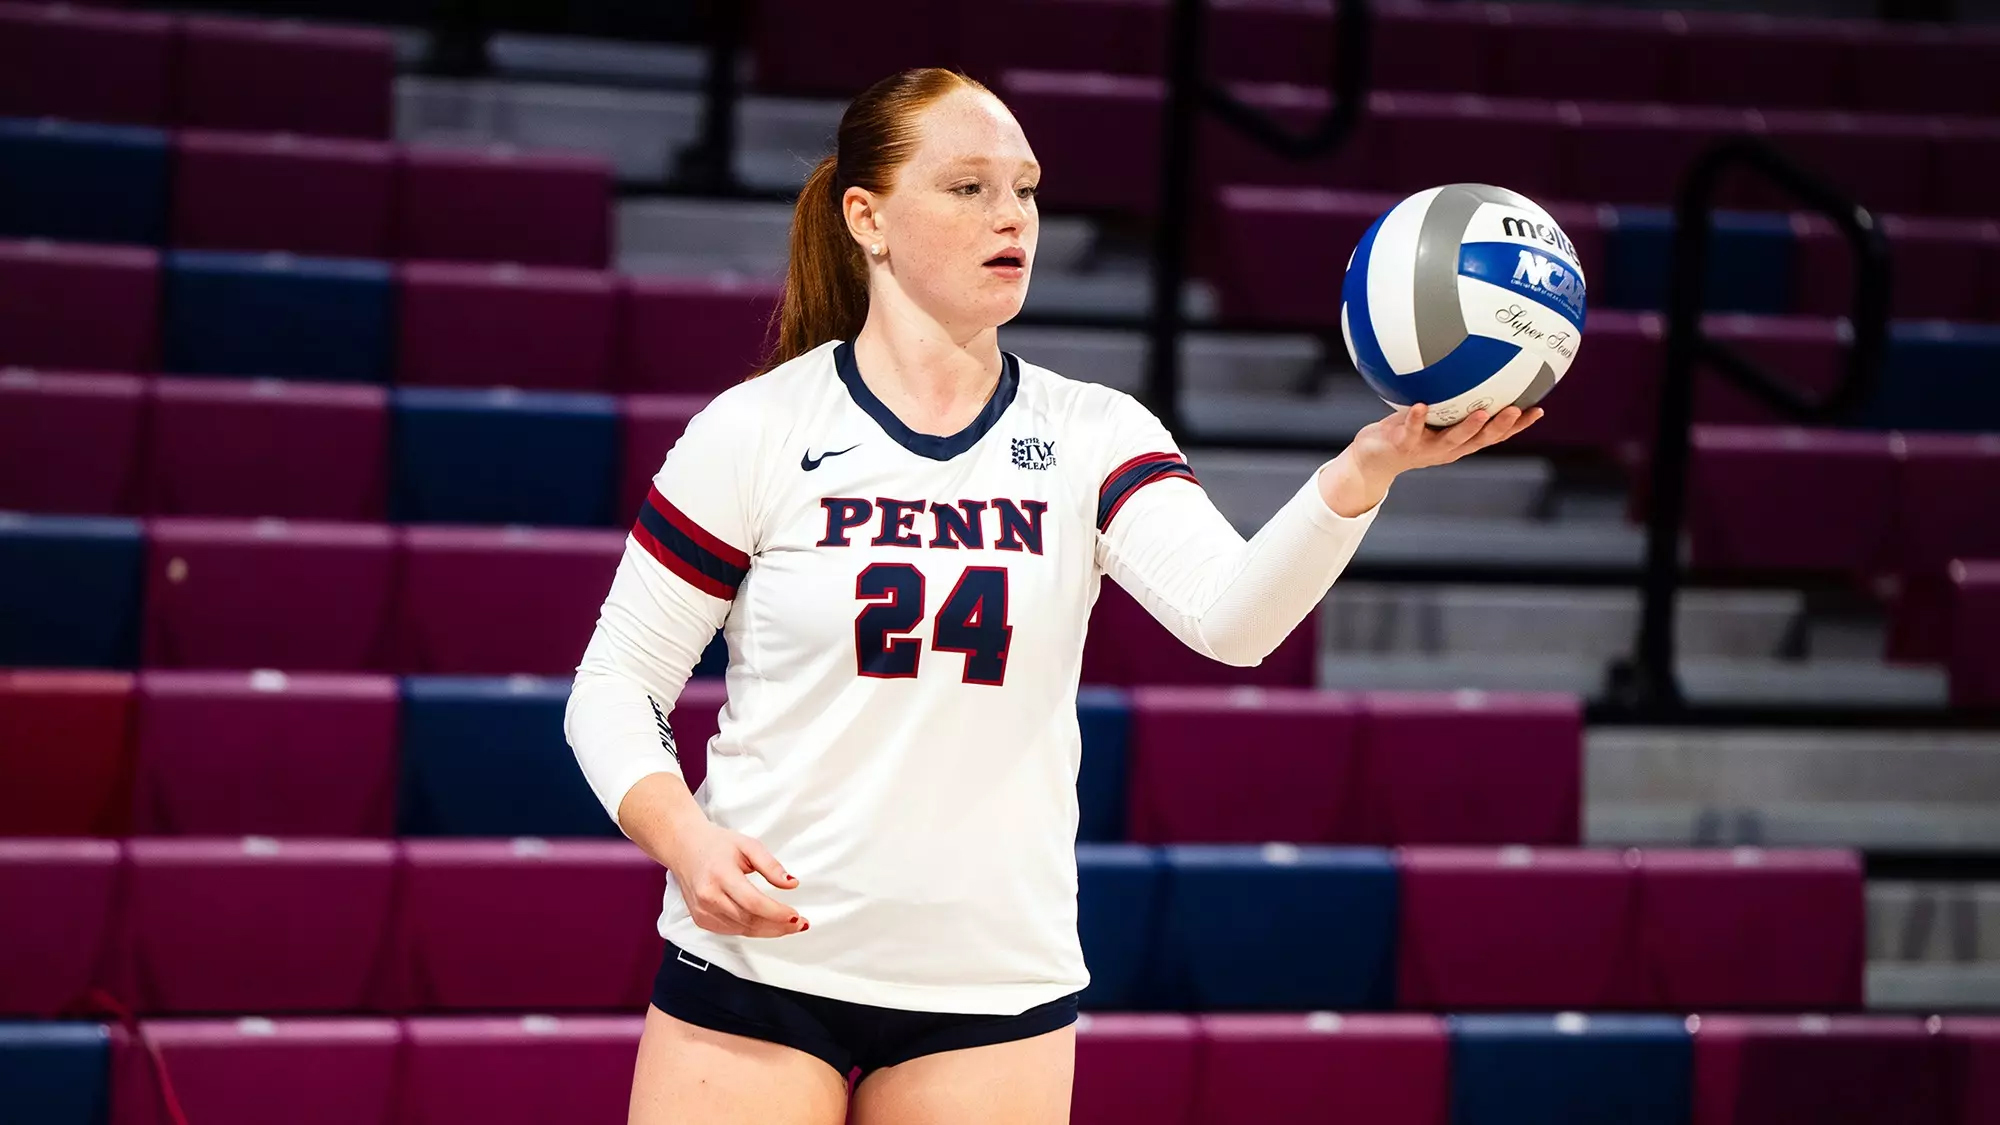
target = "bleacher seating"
x: 319, y: 432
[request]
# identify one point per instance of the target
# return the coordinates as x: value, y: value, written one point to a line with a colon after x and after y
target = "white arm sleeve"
x: 1163, y: 540
x: 688, y: 551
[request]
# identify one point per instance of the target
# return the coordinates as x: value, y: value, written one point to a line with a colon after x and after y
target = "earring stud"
x: 876, y: 249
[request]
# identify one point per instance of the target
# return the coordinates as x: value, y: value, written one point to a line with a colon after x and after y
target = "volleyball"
x: 1466, y: 297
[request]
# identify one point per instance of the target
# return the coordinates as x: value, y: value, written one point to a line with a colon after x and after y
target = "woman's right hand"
x: 713, y: 865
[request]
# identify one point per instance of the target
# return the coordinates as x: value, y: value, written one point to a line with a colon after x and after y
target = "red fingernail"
x: 795, y: 919
x: 805, y: 926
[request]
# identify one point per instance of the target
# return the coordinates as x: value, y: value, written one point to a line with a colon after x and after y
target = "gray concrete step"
x: 1871, y: 788
x: 1598, y: 624
x: 1704, y: 680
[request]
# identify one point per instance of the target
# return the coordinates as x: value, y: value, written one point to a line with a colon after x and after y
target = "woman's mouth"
x: 1013, y: 266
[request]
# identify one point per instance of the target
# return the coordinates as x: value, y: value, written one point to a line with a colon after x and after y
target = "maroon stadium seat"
x: 695, y: 719
x: 1622, y: 152
x: 807, y: 47
x: 1126, y: 645
x: 459, y: 895
x: 231, y: 753
x: 1752, y: 929
x: 277, y: 191
x: 65, y: 753
x: 61, y: 896
x: 494, y: 601
x: 1975, y: 623
x: 69, y: 442
x: 1936, y: 69
x: 541, y: 209
x: 1790, y: 499
x: 1276, y: 246
x: 285, y: 75
x: 1608, y: 399
x: 1879, y: 162
x: 1134, y: 1069
x: 267, y: 447
x: 1809, y: 353
x: 267, y: 594
x: 1611, y: 54
x: 1432, y: 139
x: 1241, y: 765
x: 1388, y: 1069
x: 84, y: 64
x: 1946, y: 269
x: 650, y: 425
x: 1755, y: 59
x: 257, y: 924
x: 1829, y: 1070
x: 83, y: 308
x: 1939, y: 478
x: 1444, y: 47
x: 1500, y: 928
x: 1965, y: 157
x: 1427, y: 779
x: 524, y: 1070
x: 694, y: 335
x: 465, y: 325
x: 252, y: 1070
x: 1973, y: 1047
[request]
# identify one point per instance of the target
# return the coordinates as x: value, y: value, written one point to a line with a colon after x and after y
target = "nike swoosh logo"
x: 808, y: 462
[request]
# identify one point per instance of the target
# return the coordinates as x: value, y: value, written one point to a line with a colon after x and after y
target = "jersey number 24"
x: 972, y: 620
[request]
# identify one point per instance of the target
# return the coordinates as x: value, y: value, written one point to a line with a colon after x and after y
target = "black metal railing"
x: 1188, y: 92
x: 1648, y: 682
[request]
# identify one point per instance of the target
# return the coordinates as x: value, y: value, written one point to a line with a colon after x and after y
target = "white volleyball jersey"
x: 905, y: 617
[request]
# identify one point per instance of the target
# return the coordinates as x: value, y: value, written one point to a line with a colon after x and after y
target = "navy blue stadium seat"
x: 504, y: 456
x: 487, y: 757
x: 1576, y: 1069
x: 83, y: 183
x: 279, y: 315
x: 1117, y: 915
x: 70, y: 596
x: 1277, y: 927
x: 54, y: 1073
x: 1750, y: 261
x: 1104, y: 716
x: 1938, y: 377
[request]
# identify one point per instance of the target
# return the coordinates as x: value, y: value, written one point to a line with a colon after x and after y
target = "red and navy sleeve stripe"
x: 703, y: 561
x: 1133, y: 475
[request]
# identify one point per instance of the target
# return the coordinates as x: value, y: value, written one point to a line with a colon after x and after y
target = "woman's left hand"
x: 1359, y: 478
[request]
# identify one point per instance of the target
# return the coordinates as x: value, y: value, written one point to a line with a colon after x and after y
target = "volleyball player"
x: 900, y: 531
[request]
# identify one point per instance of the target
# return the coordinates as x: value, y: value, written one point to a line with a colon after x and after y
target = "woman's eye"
x: 967, y: 189
x: 1027, y: 191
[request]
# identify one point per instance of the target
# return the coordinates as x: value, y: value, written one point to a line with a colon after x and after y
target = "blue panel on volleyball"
x: 487, y: 757
x: 1750, y: 261
x: 1579, y: 1070
x: 275, y: 314
x: 1104, y: 715
x: 1938, y: 377
x: 1117, y: 914
x: 83, y: 183
x: 54, y: 1073
x: 1277, y: 927
x: 504, y: 456
x: 70, y: 596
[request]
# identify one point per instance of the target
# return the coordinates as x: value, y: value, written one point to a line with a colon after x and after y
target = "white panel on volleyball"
x: 1503, y: 314
x: 1392, y: 283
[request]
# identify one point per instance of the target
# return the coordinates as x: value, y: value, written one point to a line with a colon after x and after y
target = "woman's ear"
x: 865, y: 222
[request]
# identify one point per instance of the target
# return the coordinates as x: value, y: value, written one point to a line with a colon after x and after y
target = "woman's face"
x: 959, y: 228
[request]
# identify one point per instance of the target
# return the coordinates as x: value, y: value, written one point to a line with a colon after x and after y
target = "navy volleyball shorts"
x: 844, y: 1034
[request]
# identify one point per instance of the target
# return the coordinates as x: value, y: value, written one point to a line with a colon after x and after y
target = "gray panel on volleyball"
x: 1440, y: 328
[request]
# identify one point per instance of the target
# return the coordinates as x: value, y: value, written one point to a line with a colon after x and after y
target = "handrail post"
x: 1650, y: 682
x: 1177, y: 155
x: 708, y: 165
